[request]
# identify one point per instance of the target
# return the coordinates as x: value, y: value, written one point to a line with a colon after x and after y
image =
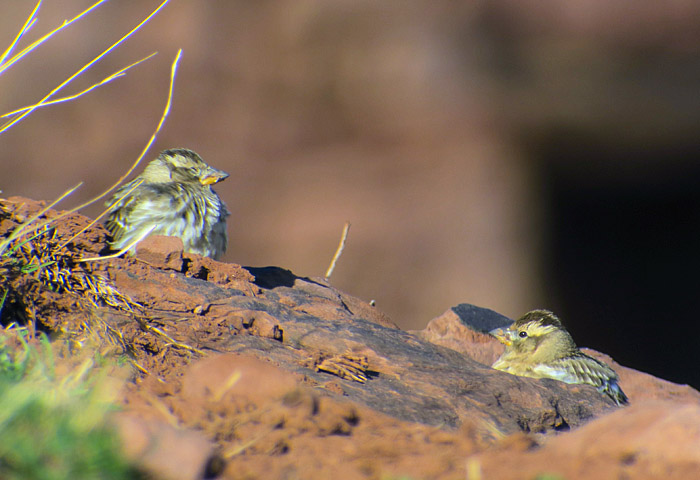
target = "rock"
x: 227, y: 275
x: 409, y: 378
x: 216, y: 377
x: 648, y: 441
x: 289, y: 377
x: 480, y: 319
x: 163, y: 451
x: 337, y: 304
x: 161, y: 251
x: 643, y: 387
x: 465, y: 328
x: 462, y: 328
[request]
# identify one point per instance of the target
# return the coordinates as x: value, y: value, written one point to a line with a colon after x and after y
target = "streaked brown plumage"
x: 173, y: 196
x: 538, y: 346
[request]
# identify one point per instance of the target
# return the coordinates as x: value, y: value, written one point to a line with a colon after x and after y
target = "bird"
x: 539, y: 346
x: 173, y: 196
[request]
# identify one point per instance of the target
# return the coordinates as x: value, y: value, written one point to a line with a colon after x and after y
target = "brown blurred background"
x: 511, y: 154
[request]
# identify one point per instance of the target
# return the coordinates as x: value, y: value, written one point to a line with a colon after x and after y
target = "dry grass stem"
x: 230, y: 382
x: 85, y: 67
x: 89, y: 225
x: 347, y: 365
x: 123, y: 250
x: 25, y: 28
x: 31, y: 225
x: 115, y: 75
x: 168, y: 103
x: 32, y: 256
x: 170, y: 341
x: 339, y: 250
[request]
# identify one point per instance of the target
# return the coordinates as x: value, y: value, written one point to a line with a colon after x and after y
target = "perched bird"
x: 173, y: 196
x: 538, y: 346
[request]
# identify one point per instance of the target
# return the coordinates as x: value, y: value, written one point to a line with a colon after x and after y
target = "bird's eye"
x: 522, y: 334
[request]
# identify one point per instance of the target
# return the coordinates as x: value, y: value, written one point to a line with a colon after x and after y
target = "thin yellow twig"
x: 82, y: 69
x: 115, y: 75
x: 123, y: 250
x: 22, y: 229
x: 339, y: 250
x: 231, y: 452
x: 172, y: 341
x: 38, y: 42
x: 25, y: 28
x: 232, y: 379
x: 89, y: 225
x: 161, y: 407
x: 473, y: 469
x: 173, y: 72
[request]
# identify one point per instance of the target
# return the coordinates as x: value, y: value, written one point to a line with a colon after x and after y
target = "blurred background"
x: 512, y: 154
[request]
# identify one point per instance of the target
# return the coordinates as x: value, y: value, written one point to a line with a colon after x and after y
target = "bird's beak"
x: 502, y: 335
x: 213, y: 176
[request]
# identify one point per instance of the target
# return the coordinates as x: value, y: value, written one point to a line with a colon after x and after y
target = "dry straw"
x: 32, y: 247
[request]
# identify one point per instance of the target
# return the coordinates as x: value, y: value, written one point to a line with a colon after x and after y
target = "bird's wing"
x: 556, y: 370
x: 142, y: 211
x: 578, y: 368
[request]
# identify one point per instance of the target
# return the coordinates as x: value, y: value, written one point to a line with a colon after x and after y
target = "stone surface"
x: 653, y: 440
x: 257, y: 364
x: 410, y: 378
x: 465, y: 328
x: 156, y: 446
x: 161, y: 251
x: 462, y: 328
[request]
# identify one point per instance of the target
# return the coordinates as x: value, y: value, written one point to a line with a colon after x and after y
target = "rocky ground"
x: 248, y: 372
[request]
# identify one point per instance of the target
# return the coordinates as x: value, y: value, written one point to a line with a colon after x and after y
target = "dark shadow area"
x: 622, y: 251
x: 271, y: 277
x: 480, y: 319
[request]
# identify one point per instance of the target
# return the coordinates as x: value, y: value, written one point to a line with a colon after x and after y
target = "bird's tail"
x: 613, y: 390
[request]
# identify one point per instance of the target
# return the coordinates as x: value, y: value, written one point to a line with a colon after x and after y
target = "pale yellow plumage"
x: 173, y: 196
x: 538, y: 346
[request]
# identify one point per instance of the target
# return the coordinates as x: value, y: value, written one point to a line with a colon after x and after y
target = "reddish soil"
x: 264, y: 374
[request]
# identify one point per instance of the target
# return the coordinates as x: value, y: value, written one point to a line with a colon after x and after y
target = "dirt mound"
x: 259, y: 373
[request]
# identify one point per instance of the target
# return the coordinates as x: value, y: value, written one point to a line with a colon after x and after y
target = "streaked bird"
x: 538, y: 346
x: 173, y: 196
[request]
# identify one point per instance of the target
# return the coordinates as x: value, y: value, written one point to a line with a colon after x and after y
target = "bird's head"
x: 538, y: 336
x: 184, y: 166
